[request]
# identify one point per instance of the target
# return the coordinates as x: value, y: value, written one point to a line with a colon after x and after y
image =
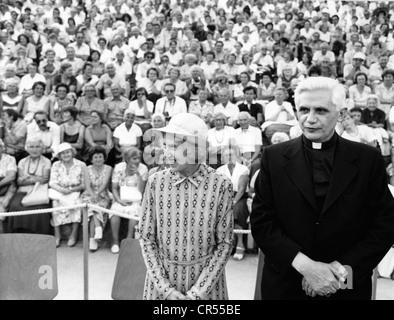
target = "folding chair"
x: 28, y: 267
x: 130, y: 272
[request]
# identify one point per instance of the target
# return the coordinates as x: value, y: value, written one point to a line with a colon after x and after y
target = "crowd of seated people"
x: 84, y: 85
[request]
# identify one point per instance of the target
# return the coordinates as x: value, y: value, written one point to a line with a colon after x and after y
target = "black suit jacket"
x: 355, y: 227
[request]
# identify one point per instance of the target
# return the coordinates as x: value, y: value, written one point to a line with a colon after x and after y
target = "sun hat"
x: 63, y: 147
x: 186, y: 124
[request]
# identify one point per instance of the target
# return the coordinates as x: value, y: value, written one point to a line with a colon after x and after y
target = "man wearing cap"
x: 350, y: 70
x: 186, y: 225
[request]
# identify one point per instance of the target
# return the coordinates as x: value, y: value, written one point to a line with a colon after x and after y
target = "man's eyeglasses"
x: 169, y: 91
x: 41, y: 121
x: 140, y: 94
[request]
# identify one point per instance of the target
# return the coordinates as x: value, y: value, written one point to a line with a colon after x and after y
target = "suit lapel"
x: 296, y: 166
x: 343, y: 172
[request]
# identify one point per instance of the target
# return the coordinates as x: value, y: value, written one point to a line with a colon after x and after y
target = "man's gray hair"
x: 311, y: 84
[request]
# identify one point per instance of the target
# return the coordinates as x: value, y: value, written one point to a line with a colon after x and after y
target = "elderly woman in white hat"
x: 186, y: 226
x: 67, y: 180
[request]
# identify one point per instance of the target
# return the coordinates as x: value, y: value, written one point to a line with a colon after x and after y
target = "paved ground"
x: 241, y: 276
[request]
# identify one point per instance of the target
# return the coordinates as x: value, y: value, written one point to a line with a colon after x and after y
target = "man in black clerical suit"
x: 322, y: 205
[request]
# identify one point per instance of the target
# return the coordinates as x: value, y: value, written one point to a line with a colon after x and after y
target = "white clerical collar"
x: 316, y: 145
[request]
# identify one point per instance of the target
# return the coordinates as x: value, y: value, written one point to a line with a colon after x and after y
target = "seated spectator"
x: 376, y: 69
x: 109, y: 78
x: 230, y: 68
x: 142, y: 109
x: 53, y: 44
x: 289, y: 60
x: 209, y: 66
x: 278, y: 114
x: 47, y: 131
x: 8, y: 171
x: 49, y: 67
x: 385, y: 91
x: 170, y: 105
x: 284, y: 80
x: 65, y: 76
x: 350, y: 70
x: 239, y: 176
x: 240, y: 87
x: 164, y: 67
x: 72, y: 131
x: 323, y: 53
x: 11, y: 98
x: 61, y: 101
x: 67, y: 181
x: 174, y: 55
x: 327, y: 69
x: 226, y: 107
x: 36, y: 102
x: 115, y: 107
x: 197, y: 81
x: 373, y: 57
x: 202, y: 107
x: 359, y: 92
x: 124, y: 69
x: 266, y: 87
x: 143, y: 67
x: 372, y: 116
x: 85, y: 78
x: 127, y: 135
x: 190, y: 61
x: 357, y: 133
x: 98, y: 65
x: 279, y: 137
x: 356, y: 113
x: 348, y: 55
x: 32, y: 169
x: 82, y: 50
x: 180, y: 86
x: 251, y: 106
x: 97, y: 134
x: 128, y: 183
x: 97, y: 181
x: 9, y: 74
x: 152, y: 84
x: 219, y: 137
x: 76, y: 63
x: 88, y: 103
x: 24, y: 42
x: 15, y: 132
x: 249, y: 140
x: 28, y: 80
x: 304, y: 64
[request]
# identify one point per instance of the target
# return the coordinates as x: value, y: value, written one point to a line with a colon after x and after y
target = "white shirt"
x: 239, y: 171
x: 248, y: 139
x: 178, y: 105
x: 231, y: 111
x: 58, y: 48
x: 83, y: 50
x: 209, y: 69
x: 123, y: 70
x: 126, y: 137
x: 50, y: 138
x: 364, y: 134
x: 27, y: 82
x: 222, y: 138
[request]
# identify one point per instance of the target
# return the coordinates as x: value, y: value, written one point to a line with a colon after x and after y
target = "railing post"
x: 85, y: 253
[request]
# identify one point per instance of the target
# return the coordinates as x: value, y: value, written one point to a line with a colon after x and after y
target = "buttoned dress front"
x: 186, y: 233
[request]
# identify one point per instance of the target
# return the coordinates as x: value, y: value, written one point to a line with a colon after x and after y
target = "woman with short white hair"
x: 33, y: 169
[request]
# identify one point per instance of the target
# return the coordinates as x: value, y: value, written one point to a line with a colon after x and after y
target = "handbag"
x: 37, y: 196
x: 130, y: 194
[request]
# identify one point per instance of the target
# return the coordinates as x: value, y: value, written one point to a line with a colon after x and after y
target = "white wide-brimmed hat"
x: 186, y: 124
x: 63, y: 147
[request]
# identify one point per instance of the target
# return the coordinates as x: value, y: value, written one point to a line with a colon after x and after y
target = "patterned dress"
x: 104, y: 200
x: 67, y: 178
x: 186, y: 233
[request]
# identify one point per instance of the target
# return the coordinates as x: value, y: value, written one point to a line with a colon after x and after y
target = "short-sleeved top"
x: 239, y: 171
x: 248, y: 139
x: 7, y: 164
x: 37, y: 169
x: 364, y: 135
x: 127, y: 137
x: 66, y: 178
x: 119, y: 174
